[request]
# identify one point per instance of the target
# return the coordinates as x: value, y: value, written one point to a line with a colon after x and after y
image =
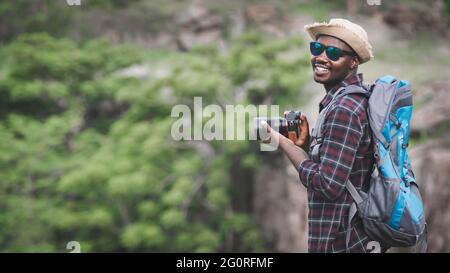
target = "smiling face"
x: 328, y: 72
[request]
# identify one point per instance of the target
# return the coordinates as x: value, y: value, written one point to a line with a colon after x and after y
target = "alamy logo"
x: 74, y: 246
x: 374, y: 247
x: 73, y: 2
x: 235, y: 123
x: 373, y: 2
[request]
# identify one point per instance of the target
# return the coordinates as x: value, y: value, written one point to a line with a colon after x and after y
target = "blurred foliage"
x: 447, y: 7
x: 147, y: 16
x: 22, y: 16
x: 86, y: 153
x: 319, y: 10
x: 56, y: 16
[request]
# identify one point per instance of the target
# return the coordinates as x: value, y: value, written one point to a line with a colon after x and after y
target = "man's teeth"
x: 322, y: 69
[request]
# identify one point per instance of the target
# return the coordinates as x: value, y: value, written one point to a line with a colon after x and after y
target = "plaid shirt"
x: 346, y: 153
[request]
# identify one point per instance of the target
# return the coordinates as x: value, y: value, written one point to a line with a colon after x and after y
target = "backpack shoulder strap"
x: 317, y: 130
x: 341, y: 92
x: 353, y: 192
x: 354, y: 89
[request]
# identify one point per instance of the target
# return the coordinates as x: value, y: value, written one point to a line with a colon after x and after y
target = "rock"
x: 431, y: 163
x: 431, y: 160
x: 198, y: 26
x: 144, y: 71
x: 435, y: 173
x: 409, y: 19
x: 260, y: 14
x: 237, y: 23
x: 188, y: 39
x: 210, y: 22
x: 135, y: 71
x: 193, y: 13
x: 434, y: 109
x: 280, y: 207
x: 267, y: 19
x: 161, y: 40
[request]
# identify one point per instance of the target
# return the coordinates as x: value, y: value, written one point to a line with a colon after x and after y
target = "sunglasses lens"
x: 316, y: 48
x: 333, y: 53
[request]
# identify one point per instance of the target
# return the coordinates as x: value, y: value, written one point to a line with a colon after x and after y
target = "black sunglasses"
x: 333, y: 53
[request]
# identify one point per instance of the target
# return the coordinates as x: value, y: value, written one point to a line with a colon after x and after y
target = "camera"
x: 287, y: 126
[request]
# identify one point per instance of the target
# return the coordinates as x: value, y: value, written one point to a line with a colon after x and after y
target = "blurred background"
x: 86, y: 93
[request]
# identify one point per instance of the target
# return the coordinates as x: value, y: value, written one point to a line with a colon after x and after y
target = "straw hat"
x: 352, y: 34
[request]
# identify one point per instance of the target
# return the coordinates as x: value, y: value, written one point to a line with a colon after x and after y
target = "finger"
x: 265, y: 125
x: 271, y: 136
x: 304, y: 125
x: 303, y: 117
x: 293, y: 136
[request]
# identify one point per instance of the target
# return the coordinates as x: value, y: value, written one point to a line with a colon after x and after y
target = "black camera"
x: 286, y: 126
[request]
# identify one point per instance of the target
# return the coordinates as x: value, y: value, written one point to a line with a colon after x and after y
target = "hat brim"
x: 354, y: 41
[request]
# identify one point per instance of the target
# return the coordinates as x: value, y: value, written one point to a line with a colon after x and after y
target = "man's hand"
x: 273, y: 134
x: 303, y: 139
x: 295, y: 153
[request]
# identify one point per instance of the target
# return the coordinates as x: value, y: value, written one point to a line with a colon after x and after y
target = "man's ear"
x: 354, y: 62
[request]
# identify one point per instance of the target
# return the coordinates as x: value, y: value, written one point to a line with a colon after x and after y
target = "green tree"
x: 86, y: 153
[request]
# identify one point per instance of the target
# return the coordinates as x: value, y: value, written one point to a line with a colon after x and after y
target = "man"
x: 346, y: 152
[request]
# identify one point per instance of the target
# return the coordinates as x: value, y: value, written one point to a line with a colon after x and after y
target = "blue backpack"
x: 391, y: 209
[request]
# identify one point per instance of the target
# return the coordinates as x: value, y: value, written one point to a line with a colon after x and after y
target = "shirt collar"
x: 356, y: 79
